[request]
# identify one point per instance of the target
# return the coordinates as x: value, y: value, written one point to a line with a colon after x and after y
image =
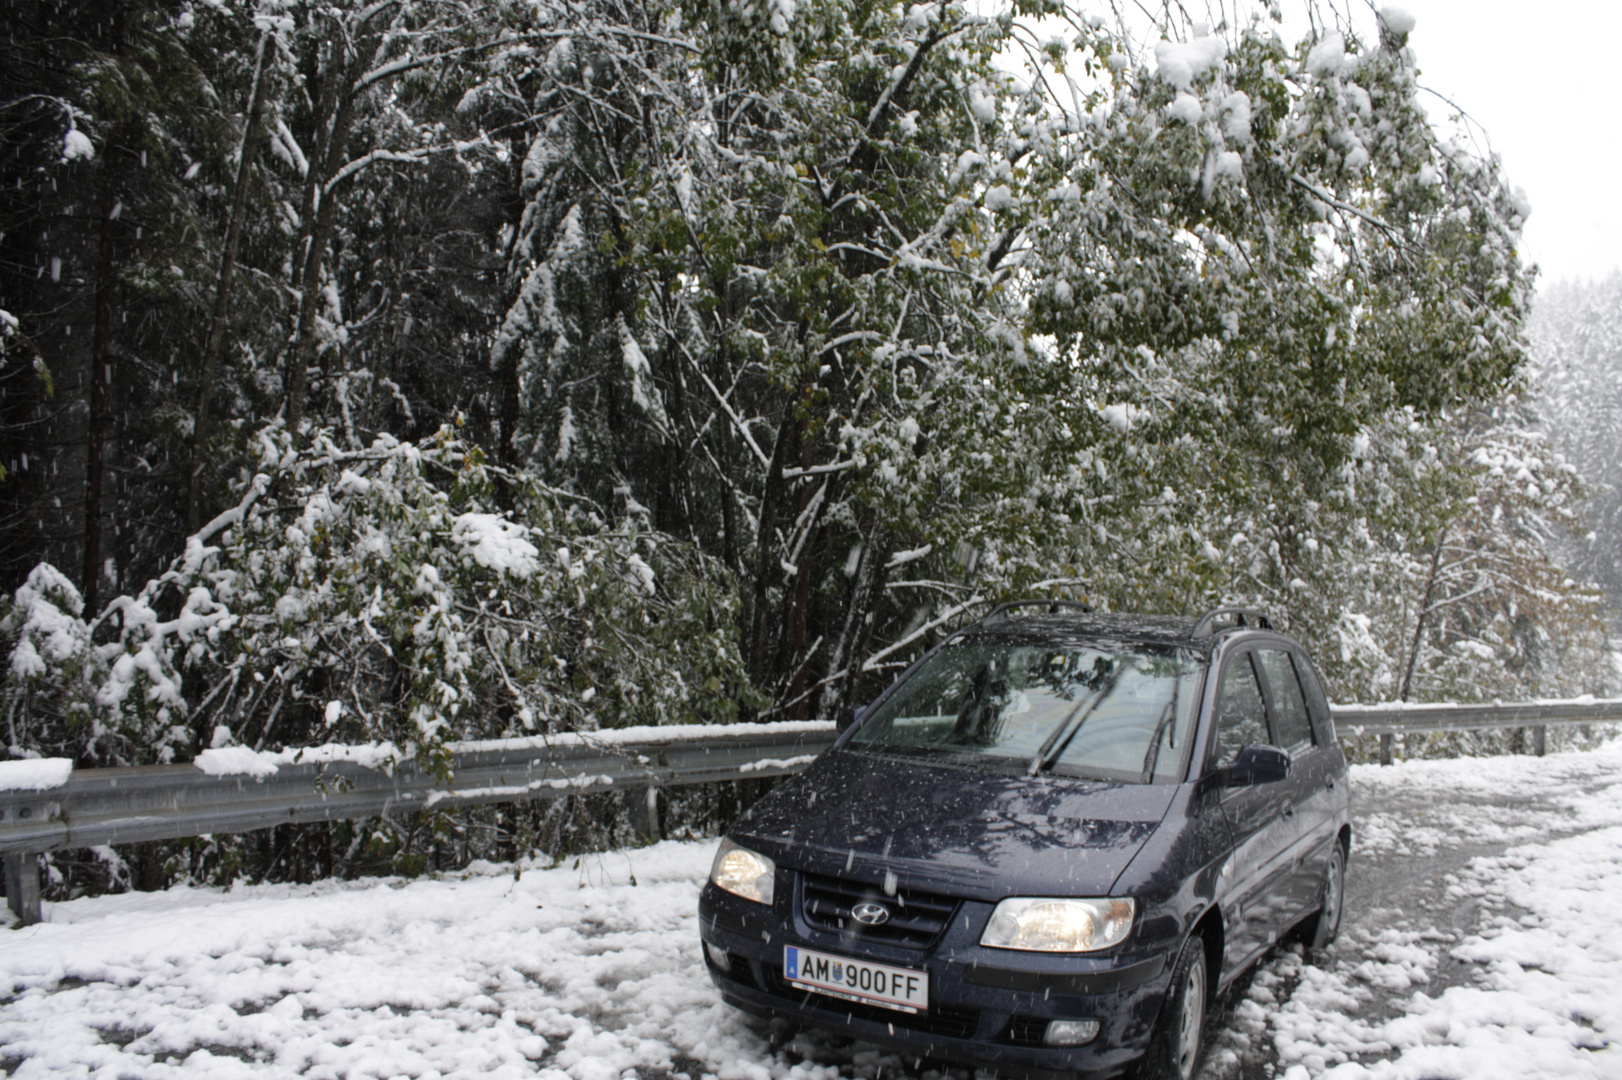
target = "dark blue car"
x: 1046, y: 848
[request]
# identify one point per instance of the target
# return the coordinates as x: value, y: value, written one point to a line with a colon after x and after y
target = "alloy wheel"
x: 1192, y: 1021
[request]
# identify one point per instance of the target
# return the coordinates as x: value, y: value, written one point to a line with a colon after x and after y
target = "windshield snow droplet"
x: 1105, y: 712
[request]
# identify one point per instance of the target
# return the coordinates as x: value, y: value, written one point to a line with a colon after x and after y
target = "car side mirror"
x: 847, y: 717
x: 1258, y: 764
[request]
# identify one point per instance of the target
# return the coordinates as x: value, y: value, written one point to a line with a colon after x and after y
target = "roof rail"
x: 1053, y: 607
x: 1242, y: 616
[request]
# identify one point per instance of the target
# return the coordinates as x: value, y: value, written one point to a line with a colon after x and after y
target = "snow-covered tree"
x: 1461, y: 572
x: 379, y: 595
x: 920, y: 333
x: 1576, y: 339
x: 857, y: 327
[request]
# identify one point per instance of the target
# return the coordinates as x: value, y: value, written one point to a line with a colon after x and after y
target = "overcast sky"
x: 1540, y: 78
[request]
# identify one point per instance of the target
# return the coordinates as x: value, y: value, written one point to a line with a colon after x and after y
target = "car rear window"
x: 1109, y: 713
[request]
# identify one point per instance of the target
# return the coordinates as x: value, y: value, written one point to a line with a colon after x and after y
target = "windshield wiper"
x: 1052, y: 747
x: 1152, y: 758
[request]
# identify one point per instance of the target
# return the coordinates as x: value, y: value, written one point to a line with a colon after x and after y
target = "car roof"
x: 1091, y: 628
x: 1040, y: 624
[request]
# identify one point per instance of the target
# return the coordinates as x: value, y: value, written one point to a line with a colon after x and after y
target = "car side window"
x: 1241, y: 717
x: 1317, y: 704
x: 1290, y: 721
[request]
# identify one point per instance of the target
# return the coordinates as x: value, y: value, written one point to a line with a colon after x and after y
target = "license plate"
x: 902, y: 989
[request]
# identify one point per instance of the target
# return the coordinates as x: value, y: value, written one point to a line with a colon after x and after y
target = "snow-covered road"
x: 1484, y: 940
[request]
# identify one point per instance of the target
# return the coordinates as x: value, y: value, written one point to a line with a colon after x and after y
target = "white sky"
x: 1539, y: 77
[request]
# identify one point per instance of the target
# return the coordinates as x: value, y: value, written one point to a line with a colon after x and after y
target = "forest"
x: 414, y: 371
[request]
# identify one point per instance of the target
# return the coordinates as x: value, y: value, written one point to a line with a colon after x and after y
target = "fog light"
x: 723, y: 960
x: 1070, y: 1032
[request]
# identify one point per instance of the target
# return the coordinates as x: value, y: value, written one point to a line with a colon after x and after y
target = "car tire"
x: 1174, y: 1052
x: 1325, y: 926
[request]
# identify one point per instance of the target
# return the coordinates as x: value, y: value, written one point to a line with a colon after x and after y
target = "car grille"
x: 1027, y: 1030
x: 916, y: 918
x: 945, y: 1020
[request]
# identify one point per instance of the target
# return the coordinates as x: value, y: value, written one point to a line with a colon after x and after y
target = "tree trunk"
x: 201, y: 428
x: 304, y: 332
x: 866, y: 615
x: 1419, y: 623
x: 675, y: 502
x: 512, y: 393
x: 840, y: 688
x: 760, y: 636
x: 316, y: 228
x: 100, y: 376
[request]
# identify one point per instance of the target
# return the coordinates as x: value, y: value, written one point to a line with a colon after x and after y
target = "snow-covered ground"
x: 591, y: 971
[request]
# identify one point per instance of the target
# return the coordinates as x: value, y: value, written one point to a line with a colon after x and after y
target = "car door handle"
x: 1289, y: 811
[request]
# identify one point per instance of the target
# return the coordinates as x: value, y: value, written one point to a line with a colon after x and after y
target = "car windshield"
x: 1100, y: 711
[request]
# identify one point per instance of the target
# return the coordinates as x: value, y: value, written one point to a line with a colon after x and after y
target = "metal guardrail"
x: 161, y: 802
x: 1387, y: 720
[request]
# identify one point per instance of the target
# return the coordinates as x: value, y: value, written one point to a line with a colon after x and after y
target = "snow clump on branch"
x: 1180, y: 63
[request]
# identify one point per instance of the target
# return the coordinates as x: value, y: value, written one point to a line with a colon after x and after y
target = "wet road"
x: 1415, y: 890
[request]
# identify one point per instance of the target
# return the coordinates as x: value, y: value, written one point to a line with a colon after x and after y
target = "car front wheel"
x: 1175, y: 1050
x: 1331, y: 901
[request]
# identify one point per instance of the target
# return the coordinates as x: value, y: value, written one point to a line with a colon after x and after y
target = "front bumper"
x: 988, y: 1007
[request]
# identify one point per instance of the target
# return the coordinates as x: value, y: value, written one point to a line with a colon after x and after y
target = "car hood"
x: 982, y: 835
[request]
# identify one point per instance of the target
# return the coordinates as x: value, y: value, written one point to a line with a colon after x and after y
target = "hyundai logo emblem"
x: 870, y: 913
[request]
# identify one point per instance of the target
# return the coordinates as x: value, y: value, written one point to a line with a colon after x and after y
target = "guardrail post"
x: 22, y: 887
x: 1385, y: 748
x: 1540, y: 740
x: 645, y: 818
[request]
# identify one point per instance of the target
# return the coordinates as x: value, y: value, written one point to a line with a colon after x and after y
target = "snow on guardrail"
x: 245, y: 761
x: 34, y: 774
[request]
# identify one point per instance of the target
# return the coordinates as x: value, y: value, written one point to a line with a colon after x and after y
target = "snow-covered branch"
x: 408, y: 157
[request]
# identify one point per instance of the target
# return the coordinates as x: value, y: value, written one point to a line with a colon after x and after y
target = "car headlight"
x: 743, y: 872
x: 1043, y: 925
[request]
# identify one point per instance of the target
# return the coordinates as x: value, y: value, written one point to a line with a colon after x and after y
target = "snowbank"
x: 578, y: 972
